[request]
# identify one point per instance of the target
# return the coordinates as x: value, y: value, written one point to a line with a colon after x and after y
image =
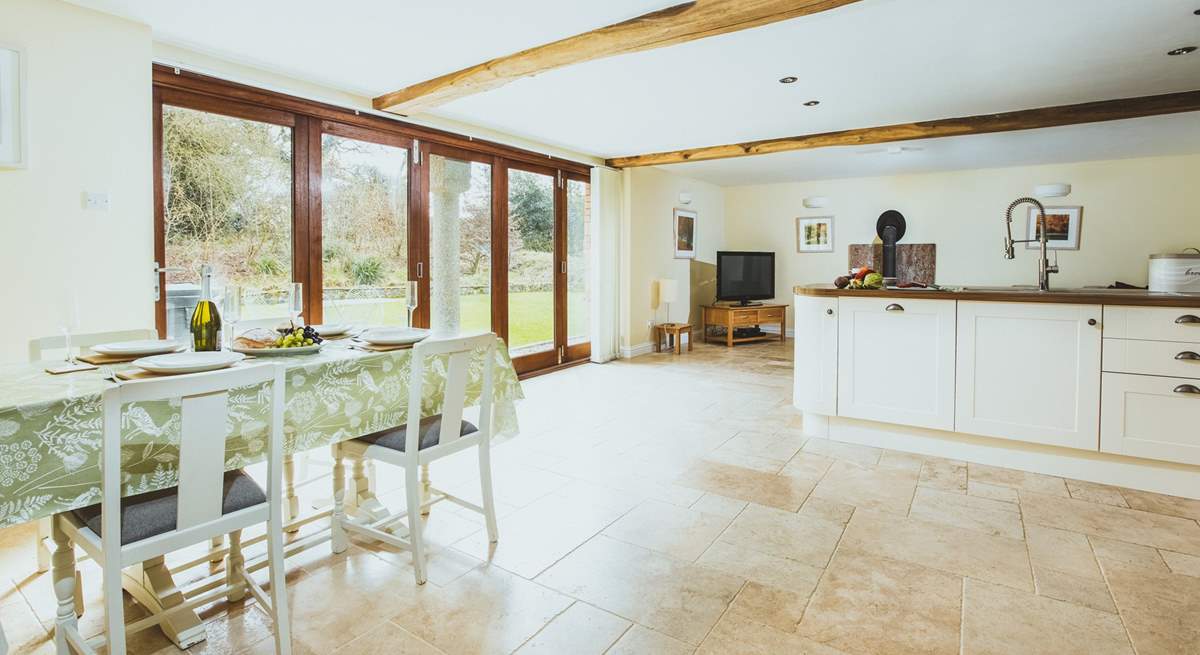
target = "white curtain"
x: 606, y: 255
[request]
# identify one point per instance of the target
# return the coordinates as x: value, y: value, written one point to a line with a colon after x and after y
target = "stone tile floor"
x: 669, y: 504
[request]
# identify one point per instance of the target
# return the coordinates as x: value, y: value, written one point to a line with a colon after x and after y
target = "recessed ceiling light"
x: 1182, y: 51
x: 787, y: 80
x: 812, y: 103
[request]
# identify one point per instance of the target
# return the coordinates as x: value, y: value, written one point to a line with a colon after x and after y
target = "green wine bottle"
x: 206, y: 320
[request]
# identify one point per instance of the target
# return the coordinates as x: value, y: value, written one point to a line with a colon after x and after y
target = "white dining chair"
x: 37, y: 348
x: 421, y: 441
x: 208, y: 502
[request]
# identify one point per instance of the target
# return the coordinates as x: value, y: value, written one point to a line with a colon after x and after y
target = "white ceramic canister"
x: 1176, y: 272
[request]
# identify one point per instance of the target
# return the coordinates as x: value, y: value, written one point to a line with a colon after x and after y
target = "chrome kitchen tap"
x: 1045, y: 268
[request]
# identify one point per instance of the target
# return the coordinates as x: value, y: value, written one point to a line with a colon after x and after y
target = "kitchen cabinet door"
x: 1030, y: 372
x: 815, y: 369
x: 896, y: 361
x: 1152, y: 417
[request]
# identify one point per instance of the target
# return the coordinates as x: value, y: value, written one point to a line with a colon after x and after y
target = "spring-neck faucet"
x: 1044, y: 266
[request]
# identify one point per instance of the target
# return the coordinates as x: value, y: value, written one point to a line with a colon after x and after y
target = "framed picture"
x: 814, y: 234
x: 685, y: 234
x: 1062, y: 228
x: 13, y: 147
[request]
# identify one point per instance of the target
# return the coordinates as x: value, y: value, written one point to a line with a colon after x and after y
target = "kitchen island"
x: 1097, y: 384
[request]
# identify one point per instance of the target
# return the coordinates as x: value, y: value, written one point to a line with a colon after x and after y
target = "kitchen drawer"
x: 1176, y: 359
x: 1151, y: 417
x: 1152, y: 323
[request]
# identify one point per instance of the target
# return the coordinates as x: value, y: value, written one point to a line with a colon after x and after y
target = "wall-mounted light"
x: 685, y: 198
x: 1055, y: 190
x: 816, y: 202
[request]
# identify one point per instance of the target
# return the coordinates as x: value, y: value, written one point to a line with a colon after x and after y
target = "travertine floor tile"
x: 678, y: 599
x: 388, y: 639
x: 1159, y: 608
x: 894, y: 459
x: 1073, y: 589
x: 736, y: 634
x: 486, y: 611
x: 762, y: 568
x: 883, y: 489
x: 1111, y: 550
x: 1096, y: 493
x: 957, y: 550
x: 784, y: 534
x: 772, y: 446
x: 1182, y: 564
x: 809, y: 466
x: 580, y: 630
x: 971, y: 512
x: 868, y: 604
x: 719, y: 505
x: 1022, y: 480
x: 1134, y: 526
x: 679, y: 532
x: 779, y: 608
x: 992, y: 491
x: 644, y: 641
x: 1162, y: 504
x: 862, y: 455
x: 1068, y: 552
x: 997, y: 618
x: 781, y: 491
x: 944, y: 474
x: 830, y: 510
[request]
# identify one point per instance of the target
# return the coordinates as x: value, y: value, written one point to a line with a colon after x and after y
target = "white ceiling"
x: 875, y: 62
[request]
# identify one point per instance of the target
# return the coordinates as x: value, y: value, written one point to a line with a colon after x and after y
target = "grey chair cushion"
x: 431, y: 427
x: 150, y: 514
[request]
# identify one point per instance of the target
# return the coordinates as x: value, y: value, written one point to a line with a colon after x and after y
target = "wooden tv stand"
x: 732, y: 317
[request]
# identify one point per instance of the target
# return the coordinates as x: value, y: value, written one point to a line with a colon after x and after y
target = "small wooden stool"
x: 674, y: 335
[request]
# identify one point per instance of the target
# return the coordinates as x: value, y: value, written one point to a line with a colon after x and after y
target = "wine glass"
x: 232, y: 310
x: 68, y: 319
x: 412, y: 300
x: 296, y: 302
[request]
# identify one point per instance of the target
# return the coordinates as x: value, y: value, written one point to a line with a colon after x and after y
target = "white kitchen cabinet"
x: 1030, y: 372
x: 896, y: 360
x: 1152, y: 323
x: 1152, y: 417
x: 815, y: 379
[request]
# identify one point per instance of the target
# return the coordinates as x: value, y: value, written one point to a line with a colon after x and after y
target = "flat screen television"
x: 745, y: 276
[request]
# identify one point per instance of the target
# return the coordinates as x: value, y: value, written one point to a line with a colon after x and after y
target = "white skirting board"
x: 774, y: 329
x: 647, y: 347
x: 1147, y: 475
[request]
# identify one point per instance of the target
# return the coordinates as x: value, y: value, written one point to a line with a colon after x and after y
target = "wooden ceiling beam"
x: 1026, y: 119
x: 677, y: 24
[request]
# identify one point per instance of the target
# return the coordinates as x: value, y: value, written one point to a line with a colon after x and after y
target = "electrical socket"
x: 95, y: 201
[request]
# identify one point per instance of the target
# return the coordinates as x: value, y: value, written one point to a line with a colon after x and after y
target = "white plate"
x: 278, y: 352
x: 393, y: 336
x: 176, y: 363
x: 332, y: 329
x: 143, y: 347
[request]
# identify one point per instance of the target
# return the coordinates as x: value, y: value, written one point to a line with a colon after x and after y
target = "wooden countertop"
x: 1138, y: 297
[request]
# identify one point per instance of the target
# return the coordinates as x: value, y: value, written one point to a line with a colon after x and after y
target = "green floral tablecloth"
x: 50, y: 426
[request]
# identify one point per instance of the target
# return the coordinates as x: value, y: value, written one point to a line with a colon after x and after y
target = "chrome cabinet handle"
x: 1188, y: 319
x: 893, y: 307
x: 1188, y: 355
x: 1188, y: 388
x: 1091, y: 321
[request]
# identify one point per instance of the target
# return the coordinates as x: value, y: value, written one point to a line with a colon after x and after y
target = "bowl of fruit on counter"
x: 859, y: 278
x: 288, y: 340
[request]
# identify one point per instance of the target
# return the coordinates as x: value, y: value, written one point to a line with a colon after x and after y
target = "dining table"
x: 50, y: 434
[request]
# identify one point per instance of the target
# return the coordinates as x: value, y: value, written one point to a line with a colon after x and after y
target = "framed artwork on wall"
x: 684, y: 221
x: 13, y: 135
x: 814, y: 234
x: 1062, y: 228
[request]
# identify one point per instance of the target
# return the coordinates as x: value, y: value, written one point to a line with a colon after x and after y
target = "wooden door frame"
x: 369, y: 135
x: 549, y: 358
x: 582, y: 351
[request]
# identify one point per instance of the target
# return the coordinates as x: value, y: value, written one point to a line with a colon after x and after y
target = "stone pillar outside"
x: 449, y: 180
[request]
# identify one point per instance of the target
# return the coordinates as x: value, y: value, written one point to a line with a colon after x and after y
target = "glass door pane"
x: 579, y: 245
x: 460, y: 243
x: 364, y: 231
x: 531, y: 263
x: 227, y: 184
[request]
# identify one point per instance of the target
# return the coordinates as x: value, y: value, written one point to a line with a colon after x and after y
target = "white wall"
x: 89, y: 129
x: 649, y: 254
x: 1131, y: 209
